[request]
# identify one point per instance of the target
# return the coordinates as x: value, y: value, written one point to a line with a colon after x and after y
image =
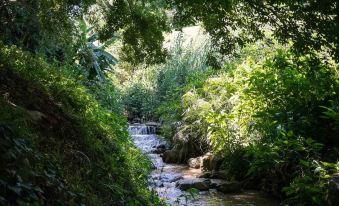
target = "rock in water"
x: 170, y: 156
x: 197, y: 183
x: 206, y: 162
x: 219, y: 174
x: 210, y: 162
x: 160, y: 149
x: 229, y: 187
x: 216, y: 183
x: 205, y: 175
x: 194, y: 162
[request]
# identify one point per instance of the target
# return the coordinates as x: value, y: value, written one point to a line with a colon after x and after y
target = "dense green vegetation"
x: 63, y: 140
x: 271, y: 114
x: 310, y: 24
x: 259, y: 89
x: 58, y: 145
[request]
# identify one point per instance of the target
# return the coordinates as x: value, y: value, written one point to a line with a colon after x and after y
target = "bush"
x: 291, y: 164
x: 139, y: 102
x: 108, y: 95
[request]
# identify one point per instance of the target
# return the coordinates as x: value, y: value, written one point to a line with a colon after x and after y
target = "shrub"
x: 291, y: 164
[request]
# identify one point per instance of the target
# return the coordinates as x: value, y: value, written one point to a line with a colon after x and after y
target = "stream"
x: 163, y: 179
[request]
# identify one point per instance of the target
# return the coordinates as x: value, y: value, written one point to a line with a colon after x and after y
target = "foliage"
x: 186, y: 64
x: 109, y: 96
x: 139, y: 102
x: 255, y: 113
x: 141, y: 25
x: 153, y: 91
x: 332, y: 113
x: 273, y: 162
x: 310, y: 25
x: 309, y: 188
x: 271, y: 110
x: 91, y: 56
x: 24, y: 164
x: 50, y: 27
x: 257, y: 99
x: 184, y: 60
x: 41, y: 26
x: 58, y: 127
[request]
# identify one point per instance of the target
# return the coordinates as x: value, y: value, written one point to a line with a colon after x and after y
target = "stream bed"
x: 163, y: 179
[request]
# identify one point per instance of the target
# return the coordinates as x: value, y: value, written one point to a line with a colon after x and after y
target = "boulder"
x: 205, y: 175
x: 170, y: 156
x: 216, y: 183
x: 228, y: 187
x: 197, y: 183
x: 160, y: 149
x: 206, y: 161
x: 219, y: 174
x: 161, y: 146
x: 210, y: 162
x: 333, y: 191
x: 194, y: 162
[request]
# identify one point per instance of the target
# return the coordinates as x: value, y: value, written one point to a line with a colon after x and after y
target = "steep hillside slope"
x: 58, y: 146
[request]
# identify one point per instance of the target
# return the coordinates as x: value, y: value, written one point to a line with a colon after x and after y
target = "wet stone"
x: 205, y: 175
x: 194, y: 163
x: 160, y: 149
x: 170, y: 156
x: 229, y: 187
x: 197, y: 183
x: 217, y: 183
x: 220, y: 174
x: 161, y: 146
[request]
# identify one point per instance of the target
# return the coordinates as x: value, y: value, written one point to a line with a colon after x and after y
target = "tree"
x: 49, y: 27
x: 309, y: 24
x: 91, y: 55
x: 141, y: 25
x: 41, y: 26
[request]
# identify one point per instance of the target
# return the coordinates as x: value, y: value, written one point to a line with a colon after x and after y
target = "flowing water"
x: 164, y: 177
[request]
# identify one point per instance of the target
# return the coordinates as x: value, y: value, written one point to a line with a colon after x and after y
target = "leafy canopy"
x: 309, y: 24
x: 51, y: 27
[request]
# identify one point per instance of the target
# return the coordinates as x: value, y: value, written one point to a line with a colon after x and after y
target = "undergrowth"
x: 59, y: 146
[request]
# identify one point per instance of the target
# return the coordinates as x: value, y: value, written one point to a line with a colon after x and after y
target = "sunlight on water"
x: 164, y: 177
